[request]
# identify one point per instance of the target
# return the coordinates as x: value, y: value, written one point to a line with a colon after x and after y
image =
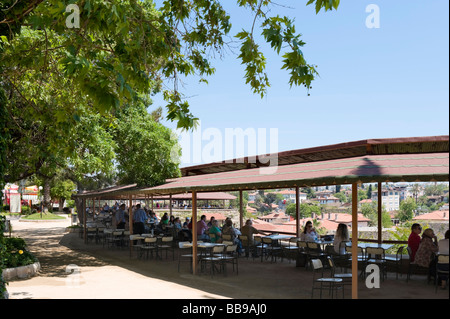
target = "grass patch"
x: 45, y: 216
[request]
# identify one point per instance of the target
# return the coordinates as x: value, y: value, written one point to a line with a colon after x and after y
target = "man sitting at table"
x: 201, y: 229
x: 248, y: 230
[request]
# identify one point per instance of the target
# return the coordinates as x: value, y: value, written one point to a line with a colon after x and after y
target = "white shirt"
x: 443, y: 246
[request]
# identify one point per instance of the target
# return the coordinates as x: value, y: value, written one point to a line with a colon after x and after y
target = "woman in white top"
x: 443, y: 244
x: 309, y: 233
x: 340, y: 236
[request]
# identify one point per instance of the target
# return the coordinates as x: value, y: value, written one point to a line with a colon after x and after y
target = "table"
x: 372, y: 245
x: 278, y: 237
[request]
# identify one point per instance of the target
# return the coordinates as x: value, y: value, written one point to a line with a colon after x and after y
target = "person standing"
x: 120, y: 217
x: 139, y: 219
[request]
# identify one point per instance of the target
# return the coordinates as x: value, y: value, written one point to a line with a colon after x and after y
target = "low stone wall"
x: 22, y: 272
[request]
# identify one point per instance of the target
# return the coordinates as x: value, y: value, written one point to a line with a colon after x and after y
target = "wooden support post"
x: 194, y: 232
x: 297, y: 211
x: 84, y: 220
x: 354, y: 241
x: 170, y: 204
x: 130, y: 214
x: 241, y: 210
x: 380, y: 211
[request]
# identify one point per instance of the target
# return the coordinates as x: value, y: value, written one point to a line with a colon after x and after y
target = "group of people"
x: 423, y: 250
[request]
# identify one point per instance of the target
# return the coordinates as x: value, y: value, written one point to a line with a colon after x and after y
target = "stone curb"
x: 22, y: 272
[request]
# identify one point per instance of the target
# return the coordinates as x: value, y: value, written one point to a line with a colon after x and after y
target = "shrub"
x: 16, y: 253
x: 26, y: 210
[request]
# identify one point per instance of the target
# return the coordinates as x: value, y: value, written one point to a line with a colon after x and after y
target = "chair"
x: 269, y: 248
x: 91, y: 233
x: 182, y: 256
x: 212, y: 237
x: 376, y: 255
x: 303, y: 252
x: 361, y: 257
x: 291, y: 248
x: 346, y: 277
x: 314, y: 251
x: 214, y: 260
x: 227, y: 237
x: 150, y: 245
x: 441, y: 269
x: 396, y: 261
x: 115, y: 239
x: 230, y: 256
x: 167, y: 244
x: 322, y: 282
x: 412, y: 267
x: 135, y: 246
x: 248, y: 247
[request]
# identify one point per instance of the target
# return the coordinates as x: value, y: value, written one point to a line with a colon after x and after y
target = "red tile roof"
x: 437, y: 215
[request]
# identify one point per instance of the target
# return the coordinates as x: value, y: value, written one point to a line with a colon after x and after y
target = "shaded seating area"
x: 353, y: 163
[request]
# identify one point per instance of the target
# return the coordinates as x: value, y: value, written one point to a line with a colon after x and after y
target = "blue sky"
x: 374, y: 83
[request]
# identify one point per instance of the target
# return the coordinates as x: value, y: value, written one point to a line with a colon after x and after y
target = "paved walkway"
x: 111, y: 274
x: 96, y: 279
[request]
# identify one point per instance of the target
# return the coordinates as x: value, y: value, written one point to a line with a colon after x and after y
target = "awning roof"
x: 380, y: 160
x: 404, y: 145
x: 361, y: 169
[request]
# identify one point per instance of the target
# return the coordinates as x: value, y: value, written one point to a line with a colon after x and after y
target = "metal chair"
x: 149, y: 246
x: 396, y: 261
x: 376, y: 255
x: 321, y: 283
x: 441, y: 269
x: 291, y: 249
x: 230, y: 256
x: 214, y: 260
x: 346, y: 277
x: 269, y: 248
x: 166, y: 244
x: 413, y: 267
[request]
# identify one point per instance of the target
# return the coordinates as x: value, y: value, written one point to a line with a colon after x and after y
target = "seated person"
x: 414, y: 240
x: 215, y: 230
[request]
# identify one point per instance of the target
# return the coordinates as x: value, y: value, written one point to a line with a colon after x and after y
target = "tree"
x: 407, y: 208
x: 56, y: 79
x: 62, y: 190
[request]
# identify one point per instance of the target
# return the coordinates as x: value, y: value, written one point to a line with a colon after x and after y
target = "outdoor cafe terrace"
x: 419, y: 159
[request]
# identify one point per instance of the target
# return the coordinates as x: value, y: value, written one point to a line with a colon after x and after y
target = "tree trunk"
x: 47, y: 198
x: 61, y: 204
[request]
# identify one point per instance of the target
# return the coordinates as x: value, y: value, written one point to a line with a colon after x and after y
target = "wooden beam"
x: 380, y: 211
x: 130, y: 214
x: 194, y: 232
x: 297, y: 211
x: 241, y: 210
x: 354, y: 241
x: 85, y: 218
